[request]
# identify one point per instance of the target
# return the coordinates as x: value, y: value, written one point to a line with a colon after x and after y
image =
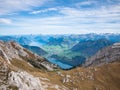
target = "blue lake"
x: 60, y: 64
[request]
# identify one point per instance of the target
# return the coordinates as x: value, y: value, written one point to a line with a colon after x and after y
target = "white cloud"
x: 86, y: 3
x: 43, y: 11
x: 65, y: 25
x: 5, y: 21
x: 70, y: 11
x: 10, y: 6
x: 109, y: 11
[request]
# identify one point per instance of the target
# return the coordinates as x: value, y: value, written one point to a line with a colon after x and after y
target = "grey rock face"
x: 20, y: 80
x: 24, y: 81
x: 106, y: 55
x: 4, y: 70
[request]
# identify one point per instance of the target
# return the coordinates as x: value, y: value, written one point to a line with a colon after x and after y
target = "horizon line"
x: 56, y: 34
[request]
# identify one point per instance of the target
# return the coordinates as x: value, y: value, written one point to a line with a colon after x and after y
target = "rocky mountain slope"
x: 21, y: 69
x: 12, y: 51
x: 104, y: 77
x: 17, y: 80
x: 18, y: 72
x: 104, y: 56
x: 100, y: 72
x: 25, y: 77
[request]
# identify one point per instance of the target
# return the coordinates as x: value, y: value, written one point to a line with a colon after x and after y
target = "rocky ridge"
x: 12, y: 51
x: 18, y: 69
x: 106, y: 55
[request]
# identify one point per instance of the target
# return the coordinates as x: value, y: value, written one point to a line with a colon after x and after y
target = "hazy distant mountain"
x: 66, y: 47
x: 90, y: 47
x: 59, y: 39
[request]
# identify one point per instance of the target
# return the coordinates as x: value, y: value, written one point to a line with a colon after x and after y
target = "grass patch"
x: 61, y: 51
x: 11, y: 87
x: 23, y: 65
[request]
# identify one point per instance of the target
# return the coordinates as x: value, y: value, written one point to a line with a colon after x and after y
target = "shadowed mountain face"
x: 35, y: 49
x: 104, y: 56
x: 90, y: 47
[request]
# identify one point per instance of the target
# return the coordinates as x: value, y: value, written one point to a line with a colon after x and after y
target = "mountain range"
x: 21, y: 69
x: 65, y: 50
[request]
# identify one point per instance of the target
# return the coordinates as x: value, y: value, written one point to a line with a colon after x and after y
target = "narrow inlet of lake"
x: 60, y: 64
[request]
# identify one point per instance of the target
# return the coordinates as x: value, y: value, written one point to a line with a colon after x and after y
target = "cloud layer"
x: 53, y: 17
x: 5, y: 21
x: 8, y: 6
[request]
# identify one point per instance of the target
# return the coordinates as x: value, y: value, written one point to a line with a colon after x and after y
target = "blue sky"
x: 59, y: 16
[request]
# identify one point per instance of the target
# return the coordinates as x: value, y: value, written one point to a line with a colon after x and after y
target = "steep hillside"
x: 104, y: 77
x: 90, y: 47
x: 12, y: 51
x: 21, y: 69
x: 104, y: 56
x: 100, y: 72
x: 35, y: 49
x: 23, y: 76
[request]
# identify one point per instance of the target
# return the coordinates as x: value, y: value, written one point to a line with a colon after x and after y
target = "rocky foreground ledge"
x: 17, y: 80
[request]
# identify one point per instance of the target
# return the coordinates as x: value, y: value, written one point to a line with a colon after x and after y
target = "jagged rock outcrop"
x: 4, y: 70
x: 17, y: 80
x: 11, y: 50
x: 104, y: 56
x: 24, y: 81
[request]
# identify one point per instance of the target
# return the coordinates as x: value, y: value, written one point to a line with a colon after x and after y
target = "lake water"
x: 60, y: 64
